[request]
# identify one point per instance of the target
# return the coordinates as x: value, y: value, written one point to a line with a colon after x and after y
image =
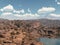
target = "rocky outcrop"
x: 18, y: 32
x: 17, y: 37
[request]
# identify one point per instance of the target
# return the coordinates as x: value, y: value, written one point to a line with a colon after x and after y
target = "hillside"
x: 26, y: 32
x: 50, y: 23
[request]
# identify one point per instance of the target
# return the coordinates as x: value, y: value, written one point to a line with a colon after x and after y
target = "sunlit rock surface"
x: 19, y: 32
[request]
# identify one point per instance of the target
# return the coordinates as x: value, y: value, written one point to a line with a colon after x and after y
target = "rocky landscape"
x: 26, y: 32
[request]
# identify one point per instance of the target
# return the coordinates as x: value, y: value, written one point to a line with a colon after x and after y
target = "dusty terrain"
x: 18, y: 32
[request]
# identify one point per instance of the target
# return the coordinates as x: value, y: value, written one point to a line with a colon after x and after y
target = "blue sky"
x: 30, y: 9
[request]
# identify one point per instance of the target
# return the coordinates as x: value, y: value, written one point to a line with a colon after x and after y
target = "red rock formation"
x: 17, y: 32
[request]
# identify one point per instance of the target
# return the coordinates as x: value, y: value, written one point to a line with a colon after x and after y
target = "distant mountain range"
x: 45, y: 22
x: 50, y: 23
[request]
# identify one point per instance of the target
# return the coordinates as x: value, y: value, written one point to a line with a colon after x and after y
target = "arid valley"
x: 27, y: 32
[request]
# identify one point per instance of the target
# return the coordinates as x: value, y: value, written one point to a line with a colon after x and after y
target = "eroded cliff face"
x: 17, y: 32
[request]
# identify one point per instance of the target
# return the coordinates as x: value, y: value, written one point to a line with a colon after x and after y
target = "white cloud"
x: 15, y: 11
x: 27, y: 16
x: 22, y: 11
x: 19, y: 11
x: 7, y: 8
x: 19, y: 16
x: 55, y: 15
x: 10, y: 8
x: 29, y: 10
x: 57, y: 2
x: 46, y: 9
x: 8, y: 12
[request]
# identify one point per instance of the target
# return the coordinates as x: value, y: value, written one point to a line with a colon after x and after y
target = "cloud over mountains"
x: 8, y: 12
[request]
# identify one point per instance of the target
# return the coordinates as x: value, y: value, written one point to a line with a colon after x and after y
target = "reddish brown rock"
x: 18, y: 32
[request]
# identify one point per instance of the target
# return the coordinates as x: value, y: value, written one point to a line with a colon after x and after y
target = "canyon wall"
x: 19, y: 32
